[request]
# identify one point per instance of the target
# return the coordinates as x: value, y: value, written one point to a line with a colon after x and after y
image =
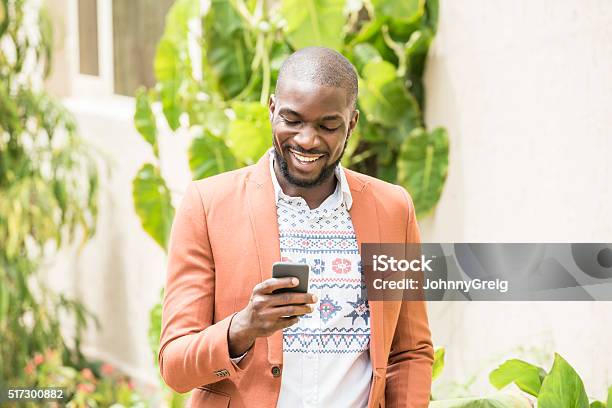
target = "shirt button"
x: 276, y: 371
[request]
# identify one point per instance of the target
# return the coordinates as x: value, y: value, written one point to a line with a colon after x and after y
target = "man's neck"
x: 314, y: 196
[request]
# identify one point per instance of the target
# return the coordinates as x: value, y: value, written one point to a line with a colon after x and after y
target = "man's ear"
x: 353, y: 122
x: 271, y: 106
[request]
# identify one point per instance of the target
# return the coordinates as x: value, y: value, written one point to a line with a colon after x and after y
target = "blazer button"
x: 276, y: 371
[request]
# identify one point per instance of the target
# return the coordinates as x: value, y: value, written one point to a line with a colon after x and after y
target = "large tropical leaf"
x: 172, y: 64
x: 384, y: 98
x: 433, y: 12
x: 362, y: 54
x: 314, y: 22
x: 227, y: 52
x: 562, y: 387
x: 422, y: 167
x: 495, y: 401
x: 527, y: 377
x: 144, y: 119
x: 208, y: 155
x: 167, y: 72
x: 153, y: 204
x: 250, y: 134
x: 154, y: 333
x: 4, y: 19
x: 399, y: 9
x: 416, y: 51
x: 438, y: 364
x: 209, y: 116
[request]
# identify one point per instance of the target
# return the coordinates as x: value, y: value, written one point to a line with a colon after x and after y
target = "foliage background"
x: 217, y: 67
x: 48, y: 195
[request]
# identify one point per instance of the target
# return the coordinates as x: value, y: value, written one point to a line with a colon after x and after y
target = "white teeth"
x: 304, y: 158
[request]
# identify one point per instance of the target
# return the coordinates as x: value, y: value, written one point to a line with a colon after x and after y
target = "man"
x: 226, y: 334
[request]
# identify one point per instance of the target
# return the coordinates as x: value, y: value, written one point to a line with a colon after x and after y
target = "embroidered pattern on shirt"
x: 325, y: 240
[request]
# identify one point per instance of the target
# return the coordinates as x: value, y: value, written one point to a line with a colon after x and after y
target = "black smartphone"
x: 292, y: 269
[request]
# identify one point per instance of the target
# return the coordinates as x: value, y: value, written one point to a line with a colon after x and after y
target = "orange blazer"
x: 224, y: 241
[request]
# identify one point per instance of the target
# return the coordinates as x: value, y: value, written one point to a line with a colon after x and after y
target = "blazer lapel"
x: 262, y: 213
x: 365, y: 223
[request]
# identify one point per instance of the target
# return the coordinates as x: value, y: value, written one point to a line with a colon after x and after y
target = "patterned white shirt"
x: 326, y: 354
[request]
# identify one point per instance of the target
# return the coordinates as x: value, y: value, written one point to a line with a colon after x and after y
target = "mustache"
x: 304, y: 151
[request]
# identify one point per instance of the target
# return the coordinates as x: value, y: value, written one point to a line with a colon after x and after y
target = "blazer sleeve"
x: 193, y: 351
x: 408, y: 381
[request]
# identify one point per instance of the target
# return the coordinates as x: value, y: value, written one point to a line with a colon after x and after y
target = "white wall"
x: 525, y: 90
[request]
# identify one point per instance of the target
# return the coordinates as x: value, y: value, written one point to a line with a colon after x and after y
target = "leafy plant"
x: 48, y: 193
x: 561, y: 387
x: 494, y: 401
x: 438, y: 364
x: 94, y: 385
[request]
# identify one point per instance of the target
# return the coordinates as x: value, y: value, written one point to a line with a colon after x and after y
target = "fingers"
x: 272, y: 312
x: 270, y: 285
x: 288, y: 298
x: 285, y: 322
x: 292, y: 310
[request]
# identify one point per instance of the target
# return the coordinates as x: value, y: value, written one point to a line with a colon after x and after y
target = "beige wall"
x: 525, y: 90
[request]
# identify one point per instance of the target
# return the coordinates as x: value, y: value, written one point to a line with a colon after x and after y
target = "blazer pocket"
x: 204, y: 398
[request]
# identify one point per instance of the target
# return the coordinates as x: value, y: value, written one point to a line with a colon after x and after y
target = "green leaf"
x: 610, y: 397
x: 527, y: 377
x: 178, y: 18
x: 208, y: 155
x: 250, y: 133
x: 597, y: 404
x: 433, y: 12
x: 167, y: 73
x: 368, y: 31
x: 384, y: 98
x: 438, y: 364
x: 155, y: 317
x: 209, y: 116
x: 495, y: 401
x: 172, y: 65
x: 416, y: 51
x: 399, y: 9
x: 227, y: 55
x: 4, y: 303
x: 153, y: 204
x: 364, y: 53
x: 422, y: 167
x: 562, y: 387
x: 144, y: 119
x: 280, y: 52
x: 4, y: 20
x: 314, y: 22
x: 178, y: 400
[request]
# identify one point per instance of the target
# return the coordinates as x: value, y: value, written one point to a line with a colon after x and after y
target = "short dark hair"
x: 322, y: 66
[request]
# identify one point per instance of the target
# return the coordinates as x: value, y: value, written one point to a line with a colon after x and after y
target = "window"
x: 137, y: 27
x: 88, y: 37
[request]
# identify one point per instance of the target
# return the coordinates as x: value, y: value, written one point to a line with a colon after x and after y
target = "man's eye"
x: 291, y: 122
x: 329, y: 129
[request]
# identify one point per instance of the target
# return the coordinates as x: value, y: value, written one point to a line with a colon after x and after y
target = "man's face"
x: 310, y: 126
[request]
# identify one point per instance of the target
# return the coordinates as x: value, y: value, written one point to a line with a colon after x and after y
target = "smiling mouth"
x: 306, y: 158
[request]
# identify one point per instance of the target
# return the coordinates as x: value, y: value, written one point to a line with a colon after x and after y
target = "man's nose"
x: 308, y: 138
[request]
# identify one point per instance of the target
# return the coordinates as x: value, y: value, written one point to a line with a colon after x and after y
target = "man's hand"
x: 267, y: 313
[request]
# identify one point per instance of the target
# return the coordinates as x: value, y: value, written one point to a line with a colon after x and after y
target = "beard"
x: 325, y: 174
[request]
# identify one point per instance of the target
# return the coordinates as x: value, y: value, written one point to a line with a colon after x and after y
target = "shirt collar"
x: 344, y: 190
